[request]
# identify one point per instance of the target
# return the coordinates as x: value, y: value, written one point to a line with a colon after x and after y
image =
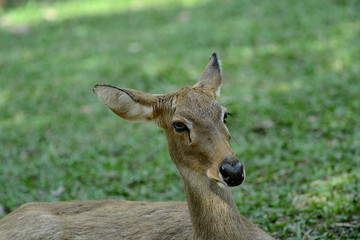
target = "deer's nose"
x: 232, y: 172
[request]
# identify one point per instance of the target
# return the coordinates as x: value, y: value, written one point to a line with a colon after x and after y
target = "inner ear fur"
x: 129, y: 104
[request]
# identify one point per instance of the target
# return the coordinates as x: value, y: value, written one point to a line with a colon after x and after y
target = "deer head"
x: 194, y: 123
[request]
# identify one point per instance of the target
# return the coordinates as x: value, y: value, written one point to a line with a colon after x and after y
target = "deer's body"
x: 199, y: 146
x: 99, y: 219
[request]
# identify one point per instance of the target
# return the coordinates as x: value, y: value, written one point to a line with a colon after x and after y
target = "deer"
x: 195, y: 125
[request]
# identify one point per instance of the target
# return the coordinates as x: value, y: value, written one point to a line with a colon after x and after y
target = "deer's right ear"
x: 132, y: 105
x: 211, y: 77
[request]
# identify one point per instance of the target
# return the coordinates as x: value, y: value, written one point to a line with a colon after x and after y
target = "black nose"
x: 232, y: 172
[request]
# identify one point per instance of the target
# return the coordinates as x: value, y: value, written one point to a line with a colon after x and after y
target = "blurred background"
x: 291, y: 80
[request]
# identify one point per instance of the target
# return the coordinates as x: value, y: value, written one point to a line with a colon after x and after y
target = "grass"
x: 293, y: 64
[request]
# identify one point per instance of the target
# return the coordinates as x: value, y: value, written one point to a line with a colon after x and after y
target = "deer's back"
x: 109, y: 219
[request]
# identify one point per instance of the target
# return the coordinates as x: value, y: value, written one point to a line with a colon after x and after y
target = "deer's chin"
x: 222, y: 184
x: 217, y: 178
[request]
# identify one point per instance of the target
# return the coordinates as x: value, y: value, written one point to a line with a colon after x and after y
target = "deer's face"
x: 194, y: 123
x: 199, y: 139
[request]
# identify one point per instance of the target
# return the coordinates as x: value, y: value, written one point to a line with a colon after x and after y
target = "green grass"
x: 295, y: 63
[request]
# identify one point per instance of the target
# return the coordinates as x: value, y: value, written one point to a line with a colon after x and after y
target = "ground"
x: 291, y: 81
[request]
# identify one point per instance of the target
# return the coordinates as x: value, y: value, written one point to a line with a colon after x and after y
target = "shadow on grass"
x: 12, y: 4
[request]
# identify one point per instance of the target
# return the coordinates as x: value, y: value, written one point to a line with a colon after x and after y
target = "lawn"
x: 291, y: 81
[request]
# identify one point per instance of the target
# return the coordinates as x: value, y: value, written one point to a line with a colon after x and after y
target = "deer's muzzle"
x: 232, y: 172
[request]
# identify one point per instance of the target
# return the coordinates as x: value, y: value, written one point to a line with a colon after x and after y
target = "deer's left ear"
x: 129, y: 104
x: 211, y: 77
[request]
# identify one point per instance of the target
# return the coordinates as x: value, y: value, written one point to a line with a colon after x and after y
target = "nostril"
x: 232, y: 172
x: 224, y: 172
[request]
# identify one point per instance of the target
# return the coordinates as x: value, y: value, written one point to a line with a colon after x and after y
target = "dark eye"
x: 226, y: 116
x: 179, y: 127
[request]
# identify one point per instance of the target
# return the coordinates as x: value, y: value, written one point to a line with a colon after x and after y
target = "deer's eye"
x: 180, y: 127
x: 226, y: 116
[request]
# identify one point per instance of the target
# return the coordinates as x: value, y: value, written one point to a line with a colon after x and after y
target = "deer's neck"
x: 213, y: 212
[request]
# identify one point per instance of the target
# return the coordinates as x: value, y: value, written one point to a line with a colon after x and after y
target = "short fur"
x: 198, y: 152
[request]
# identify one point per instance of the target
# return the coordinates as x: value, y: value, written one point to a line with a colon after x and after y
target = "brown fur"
x: 105, y: 219
x: 210, y: 211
